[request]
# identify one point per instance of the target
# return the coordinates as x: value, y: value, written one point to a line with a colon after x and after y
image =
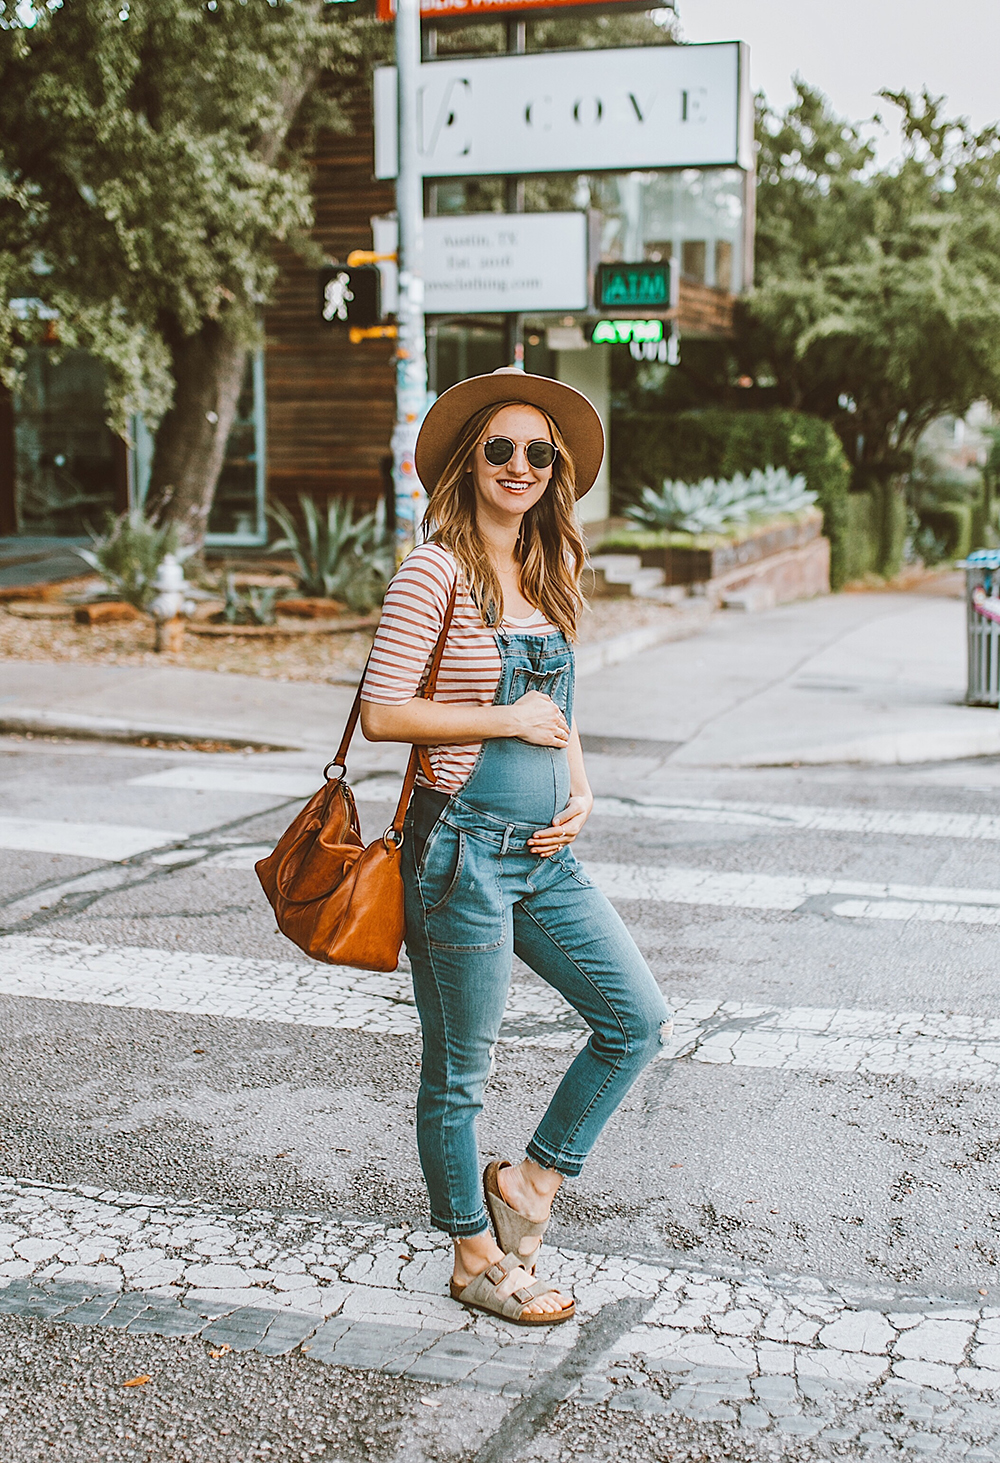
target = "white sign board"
x: 580, y: 111
x: 489, y: 263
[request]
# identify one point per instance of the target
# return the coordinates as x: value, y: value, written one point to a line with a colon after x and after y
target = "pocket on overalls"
x: 549, y: 683
x: 468, y: 913
x: 440, y: 865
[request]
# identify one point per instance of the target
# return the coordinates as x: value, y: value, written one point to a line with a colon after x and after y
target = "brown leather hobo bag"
x: 336, y: 899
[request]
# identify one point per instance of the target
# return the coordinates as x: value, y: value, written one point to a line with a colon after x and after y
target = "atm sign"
x: 627, y: 286
x: 623, y: 332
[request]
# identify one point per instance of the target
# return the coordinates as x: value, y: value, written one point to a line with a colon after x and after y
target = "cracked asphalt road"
x: 867, y: 1177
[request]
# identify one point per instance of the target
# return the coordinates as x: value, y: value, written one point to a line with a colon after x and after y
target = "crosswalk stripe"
x: 270, y: 783
x: 933, y: 1045
x: 108, y: 841
x: 779, y: 817
x: 674, y: 884
x: 150, y: 1264
x: 776, y: 817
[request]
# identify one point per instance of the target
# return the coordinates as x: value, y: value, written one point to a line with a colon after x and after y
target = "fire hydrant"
x: 169, y: 604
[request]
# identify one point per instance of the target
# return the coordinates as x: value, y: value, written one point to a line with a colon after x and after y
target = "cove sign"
x: 638, y: 107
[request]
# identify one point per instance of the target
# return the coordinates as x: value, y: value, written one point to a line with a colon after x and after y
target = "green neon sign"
x: 623, y: 332
x: 623, y: 286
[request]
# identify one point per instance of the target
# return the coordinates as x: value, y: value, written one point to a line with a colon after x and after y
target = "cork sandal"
x: 481, y: 1295
x: 510, y: 1228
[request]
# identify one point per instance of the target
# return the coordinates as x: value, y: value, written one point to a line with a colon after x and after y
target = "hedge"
x: 648, y: 447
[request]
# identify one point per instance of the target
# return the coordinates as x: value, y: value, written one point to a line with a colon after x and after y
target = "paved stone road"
x: 788, y: 1238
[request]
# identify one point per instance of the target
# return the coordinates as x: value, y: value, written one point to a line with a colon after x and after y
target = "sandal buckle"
x: 495, y: 1275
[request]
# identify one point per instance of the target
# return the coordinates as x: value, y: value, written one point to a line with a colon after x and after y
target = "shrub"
x: 648, y: 447
x: 254, y: 605
x: 129, y: 553
x: 713, y: 506
x: 338, y: 556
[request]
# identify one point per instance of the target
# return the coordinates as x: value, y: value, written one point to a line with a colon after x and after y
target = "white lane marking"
x: 919, y: 823
x: 933, y: 1045
x: 272, y: 783
x: 108, y: 841
x: 821, y: 1339
x: 674, y: 884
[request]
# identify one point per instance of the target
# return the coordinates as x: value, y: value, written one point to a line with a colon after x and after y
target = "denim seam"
x: 595, y: 987
x: 449, y: 1172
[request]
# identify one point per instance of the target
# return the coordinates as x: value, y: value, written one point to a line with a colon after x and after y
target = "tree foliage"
x: 152, y: 154
x: 144, y: 149
x: 877, y: 299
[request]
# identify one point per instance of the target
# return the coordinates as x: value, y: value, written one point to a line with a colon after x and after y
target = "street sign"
x: 638, y: 107
x: 644, y: 286
x: 350, y: 295
x: 499, y: 263
x: 622, y: 332
x: 455, y: 9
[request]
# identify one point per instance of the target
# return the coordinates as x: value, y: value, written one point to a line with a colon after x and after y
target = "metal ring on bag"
x: 326, y: 770
x: 393, y: 836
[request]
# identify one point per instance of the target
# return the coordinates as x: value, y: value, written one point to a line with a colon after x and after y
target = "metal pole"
x: 411, y: 346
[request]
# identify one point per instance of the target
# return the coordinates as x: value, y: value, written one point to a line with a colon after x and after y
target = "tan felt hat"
x: 573, y: 414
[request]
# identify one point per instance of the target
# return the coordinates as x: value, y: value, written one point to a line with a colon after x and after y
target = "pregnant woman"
x: 487, y: 863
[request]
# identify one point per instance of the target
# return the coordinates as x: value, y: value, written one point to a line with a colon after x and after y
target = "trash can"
x: 982, y: 573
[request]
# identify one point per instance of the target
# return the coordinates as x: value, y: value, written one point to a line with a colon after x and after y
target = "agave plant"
x: 129, y: 553
x: 253, y: 605
x: 716, y: 505
x: 337, y: 555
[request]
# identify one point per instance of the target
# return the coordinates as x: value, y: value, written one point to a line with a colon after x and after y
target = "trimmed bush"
x: 648, y: 447
x: 860, y: 537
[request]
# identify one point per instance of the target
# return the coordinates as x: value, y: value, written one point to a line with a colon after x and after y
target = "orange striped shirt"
x: 412, y: 616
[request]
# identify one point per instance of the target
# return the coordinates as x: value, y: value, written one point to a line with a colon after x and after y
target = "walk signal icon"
x: 350, y: 295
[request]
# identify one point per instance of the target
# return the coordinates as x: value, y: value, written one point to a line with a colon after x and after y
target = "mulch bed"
x: 318, y: 657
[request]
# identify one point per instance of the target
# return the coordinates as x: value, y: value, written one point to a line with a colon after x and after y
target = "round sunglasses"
x: 540, y: 454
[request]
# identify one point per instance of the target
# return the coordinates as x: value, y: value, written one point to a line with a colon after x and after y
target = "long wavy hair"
x: 550, y: 548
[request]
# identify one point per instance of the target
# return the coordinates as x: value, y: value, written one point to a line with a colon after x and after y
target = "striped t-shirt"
x: 412, y: 616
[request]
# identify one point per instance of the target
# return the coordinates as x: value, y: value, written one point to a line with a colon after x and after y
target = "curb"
x: 104, y: 729
x: 603, y: 653
x: 27, y: 721
x: 889, y: 749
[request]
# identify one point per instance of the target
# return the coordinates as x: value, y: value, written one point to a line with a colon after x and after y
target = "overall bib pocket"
x: 549, y: 683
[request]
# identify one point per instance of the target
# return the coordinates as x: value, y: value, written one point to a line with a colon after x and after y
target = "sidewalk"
x: 873, y: 678
x: 867, y: 678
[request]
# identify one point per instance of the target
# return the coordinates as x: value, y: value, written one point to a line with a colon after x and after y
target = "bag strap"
x: 428, y: 693
x: 340, y: 760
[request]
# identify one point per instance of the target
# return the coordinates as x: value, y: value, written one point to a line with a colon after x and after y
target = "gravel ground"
x: 64, y: 1399
x: 308, y: 657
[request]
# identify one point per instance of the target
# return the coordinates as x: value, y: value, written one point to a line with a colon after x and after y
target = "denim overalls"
x: 475, y: 894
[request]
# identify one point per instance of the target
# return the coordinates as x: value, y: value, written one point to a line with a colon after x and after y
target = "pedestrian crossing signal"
x: 350, y: 295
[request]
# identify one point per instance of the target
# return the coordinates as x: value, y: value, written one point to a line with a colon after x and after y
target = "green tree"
x: 152, y: 153
x: 877, y: 299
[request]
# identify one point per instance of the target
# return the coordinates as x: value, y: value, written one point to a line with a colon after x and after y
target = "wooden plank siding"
x: 330, y: 404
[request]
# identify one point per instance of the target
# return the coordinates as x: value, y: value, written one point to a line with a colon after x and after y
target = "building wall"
x: 330, y: 404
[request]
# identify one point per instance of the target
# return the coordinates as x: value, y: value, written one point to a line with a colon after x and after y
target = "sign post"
x: 411, y: 345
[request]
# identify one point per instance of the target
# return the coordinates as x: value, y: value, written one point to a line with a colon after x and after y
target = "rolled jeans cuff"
x: 570, y: 1168
x: 462, y: 1228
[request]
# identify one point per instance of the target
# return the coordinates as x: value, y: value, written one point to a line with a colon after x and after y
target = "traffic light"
x: 350, y: 295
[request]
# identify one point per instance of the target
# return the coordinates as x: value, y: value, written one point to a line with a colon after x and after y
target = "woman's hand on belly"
x: 565, y: 826
x: 535, y: 718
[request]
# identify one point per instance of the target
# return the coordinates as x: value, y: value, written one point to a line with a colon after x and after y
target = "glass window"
x: 694, y: 215
x: 462, y: 348
x: 65, y: 460
x: 237, y: 515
